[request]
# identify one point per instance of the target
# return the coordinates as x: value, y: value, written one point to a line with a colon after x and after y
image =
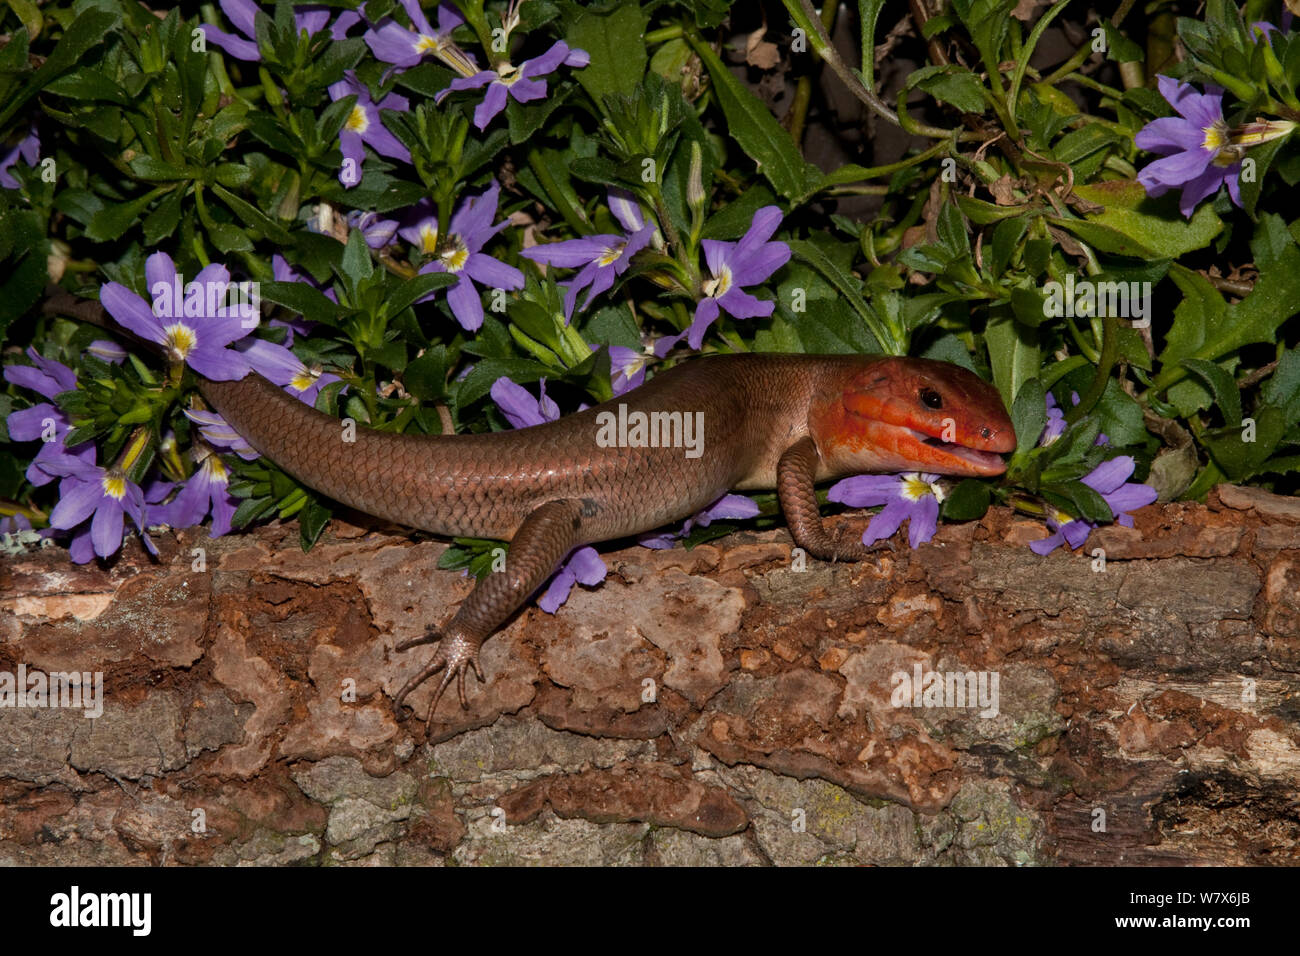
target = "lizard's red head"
x: 909, y: 414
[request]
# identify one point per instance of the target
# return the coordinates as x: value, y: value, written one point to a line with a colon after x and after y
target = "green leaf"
x: 1134, y: 225
x: 1223, y: 385
x: 1014, y: 355
x: 302, y: 298
x: 1261, y: 158
x: 955, y: 85
x: 850, y: 287
x: 1120, y: 416
x: 759, y: 134
x: 968, y: 501
x: 479, y: 381
x: 1091, y: 505
x: 357, y: 264
x: 1283, y: 386
x: 229, y: 238
x: 90, y: 28
x: 1075, y: 145
x: 163, y: 220
x: 1205, y: 328
x: 254, y: 217
x: 23, y: 278
x: 1006, y: 239
x: 1241, y: 452
x: 312, y: 520
x: 112, y: 221
x: 617, y: 47
x: 1029, y: 414
x: 426, y: 376
x: 417, y: 287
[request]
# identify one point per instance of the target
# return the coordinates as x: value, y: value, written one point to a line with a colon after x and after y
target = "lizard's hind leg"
x: 544, y: 539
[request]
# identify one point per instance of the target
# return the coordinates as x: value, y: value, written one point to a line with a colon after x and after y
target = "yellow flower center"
x: 216, y: 470
x: 718, y: 285
x: 358, y: 122
x: 114, y: 485
x: 610, y: 255
x: 915, y: 488
x: 1218, y: 140
x: 427, y: 44
x: 304, y: 379
x: 455, y: 256
x: 428, y: 239
x: 180, y: 339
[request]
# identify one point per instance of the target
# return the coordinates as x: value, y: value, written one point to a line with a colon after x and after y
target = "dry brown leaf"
x: 1024, y: 10
x: 1004, y: 193
x: 760, y: 53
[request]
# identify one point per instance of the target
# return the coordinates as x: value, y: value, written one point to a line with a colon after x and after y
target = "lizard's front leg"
x: 547, y: 535
x: 796, y: 473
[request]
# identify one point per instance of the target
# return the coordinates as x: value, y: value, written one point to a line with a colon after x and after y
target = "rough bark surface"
x: 712, y: 706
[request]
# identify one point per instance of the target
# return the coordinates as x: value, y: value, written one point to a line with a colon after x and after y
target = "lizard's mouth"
x: 950, y: 458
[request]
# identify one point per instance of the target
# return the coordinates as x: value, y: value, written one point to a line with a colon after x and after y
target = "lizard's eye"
x: 931, y: 399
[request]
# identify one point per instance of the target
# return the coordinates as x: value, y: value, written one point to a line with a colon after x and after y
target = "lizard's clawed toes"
x: 455, y: 656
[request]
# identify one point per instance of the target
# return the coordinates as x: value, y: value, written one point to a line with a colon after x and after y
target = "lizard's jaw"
x: 945, y: 457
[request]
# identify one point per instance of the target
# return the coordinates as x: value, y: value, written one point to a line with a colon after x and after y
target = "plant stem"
x: 576, y: 220
x: 1109, y: 353
x: 803, y: 89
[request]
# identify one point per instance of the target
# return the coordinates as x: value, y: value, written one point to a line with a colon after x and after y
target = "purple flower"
x: 363, y: 127
x: 45, y: 421
x: 1110, y: 480
x: 1193, y: 145
x: 393, y: 43
x: 1055, y: 426
x: 377, y: 232
x: 28, y: 149
x: 243, y: 14
x: 523, y: 411
x: 205, y: 492
x: 601, y: 258
x: 519, y: 407
x: 107, y: 351
x: 520, y: 82
x: 200, y: 336
x: 88, y: 490
x: 912, y: 496
x: 626, y: 368
x: 279, y: 365
x: 735, y: 265
x: 470, y: 227
x: 12, y: 524
x: 281, y: 271
x: 1056, y: 423
x: 220, y: 434
x: 728, y: 506
x: 583, y: 566
x: 1266, y: 29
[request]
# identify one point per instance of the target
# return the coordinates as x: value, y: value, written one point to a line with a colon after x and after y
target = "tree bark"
x: 1135, y: 702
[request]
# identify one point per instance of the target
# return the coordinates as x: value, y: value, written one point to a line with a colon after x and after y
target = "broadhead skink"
x: 765, y: 421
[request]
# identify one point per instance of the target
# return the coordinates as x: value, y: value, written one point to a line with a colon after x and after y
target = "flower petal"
x: 78, y: 500
x: 587, y: 566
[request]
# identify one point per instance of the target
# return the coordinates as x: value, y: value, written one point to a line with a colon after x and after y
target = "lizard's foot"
x: 845, y: 545
x: 455, y: 656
